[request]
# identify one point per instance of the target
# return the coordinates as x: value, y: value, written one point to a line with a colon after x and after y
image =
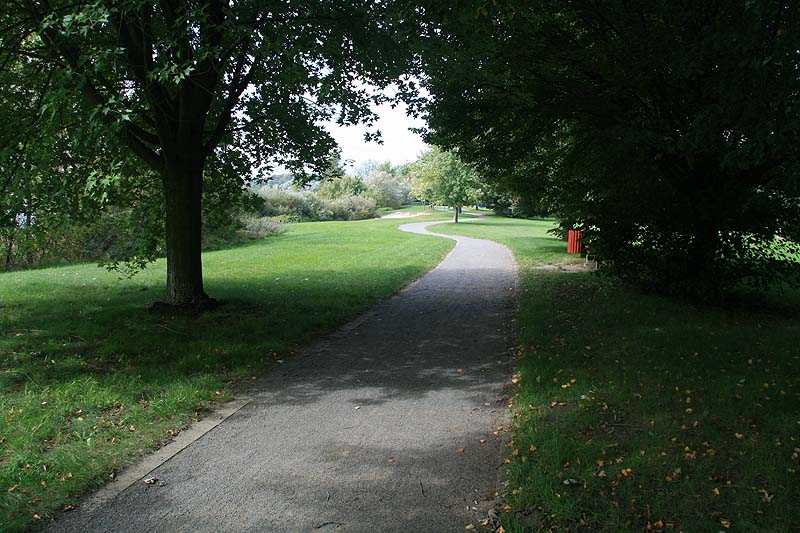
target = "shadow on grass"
x: 696, y: 401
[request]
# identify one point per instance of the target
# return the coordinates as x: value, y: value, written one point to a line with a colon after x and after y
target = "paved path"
x: 376, y: 428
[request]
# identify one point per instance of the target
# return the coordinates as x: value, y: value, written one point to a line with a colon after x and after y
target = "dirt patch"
x: 406, y: 214
x: 569, y: 268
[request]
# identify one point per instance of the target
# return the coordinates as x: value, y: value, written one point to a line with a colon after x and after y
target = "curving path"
x: 378, y: 427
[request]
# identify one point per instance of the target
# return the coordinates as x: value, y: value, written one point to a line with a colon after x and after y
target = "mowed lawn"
x: 90, y: 380
x: 640, y: 412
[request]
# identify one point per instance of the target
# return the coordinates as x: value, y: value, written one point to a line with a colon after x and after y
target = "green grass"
x: 90, y: 380
x: 639, y: 412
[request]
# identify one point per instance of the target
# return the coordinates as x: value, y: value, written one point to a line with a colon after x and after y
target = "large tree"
x: 178, y: 85
x: 669, y: 130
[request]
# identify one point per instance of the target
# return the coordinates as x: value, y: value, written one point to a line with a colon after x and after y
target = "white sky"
x: 399, y: 144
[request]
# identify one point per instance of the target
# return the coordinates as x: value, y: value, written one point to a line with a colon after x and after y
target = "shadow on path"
x: 378, y: 427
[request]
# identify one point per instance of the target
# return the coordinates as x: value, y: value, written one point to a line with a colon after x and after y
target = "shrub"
x: 341, y: 187
x: 352, y: 208
x: 388, y: 190
x: 306, y: 206
x: 254, y: 227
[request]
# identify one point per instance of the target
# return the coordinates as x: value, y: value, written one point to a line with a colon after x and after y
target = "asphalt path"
x: 388, y: 424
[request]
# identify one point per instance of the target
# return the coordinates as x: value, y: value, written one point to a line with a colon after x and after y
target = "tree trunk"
x: 183, y: 186
x: 456, y: 212
x: 10, y: 248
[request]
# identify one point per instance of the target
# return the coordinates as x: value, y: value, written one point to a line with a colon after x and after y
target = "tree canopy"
x: 441, y: 177
x: 667, y: 130
x: 160, y: 92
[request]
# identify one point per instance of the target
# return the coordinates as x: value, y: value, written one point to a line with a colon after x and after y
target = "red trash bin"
x: 574, y: 244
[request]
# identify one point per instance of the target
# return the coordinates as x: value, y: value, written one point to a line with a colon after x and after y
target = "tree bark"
x: 10, y: 249
x: 456, y: 212
x: 183, y: 186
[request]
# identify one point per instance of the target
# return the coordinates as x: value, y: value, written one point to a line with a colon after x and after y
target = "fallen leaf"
x: 626, y: 472
x: 469, y: 527
x: 459, y: 450
x: 482, y: 441
x: 357, y: 407
x: 150, y: 481
x: 391, y: 460
x: 11, y: 488
x: 725, y: 522
x: 37, y: 517
x: 132, y: 428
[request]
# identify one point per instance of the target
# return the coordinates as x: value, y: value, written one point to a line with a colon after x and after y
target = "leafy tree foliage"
x: 388, y: 188
x: 441, y: 177
x: 341, y: 186
x: 667, y: 130
x: 173, y: 89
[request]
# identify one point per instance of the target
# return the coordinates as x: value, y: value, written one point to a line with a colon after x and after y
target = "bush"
x: 306, y: 206
x: 388, y: 190
x: 254, y: 227
x: 341, y: 187
x: 354, y: 208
